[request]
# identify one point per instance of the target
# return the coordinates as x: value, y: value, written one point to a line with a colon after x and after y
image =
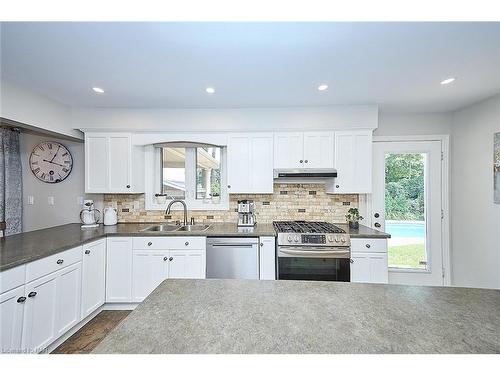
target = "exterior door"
x: 407, y: 203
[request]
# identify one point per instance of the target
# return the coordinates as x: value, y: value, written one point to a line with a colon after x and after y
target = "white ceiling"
x: 396, y: 65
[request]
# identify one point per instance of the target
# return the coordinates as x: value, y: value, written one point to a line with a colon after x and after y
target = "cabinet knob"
x: 306, y: 161
x: 368, y: 245
x: 186, y: 243
x: 31, y: 294
x: 337, y: 186
x: 165, y: 259
x: 301, y: 161
x: 376, y: 214
x: 128, y: 186
x: 21, y: 299
x: 377, y: 225
x: 261, y: 244
x: 171, y: 259
x: 60, y: 261
x: 351, y: 260
x: 229, y: 186
x: 150, y: 243
x: 87, y: 252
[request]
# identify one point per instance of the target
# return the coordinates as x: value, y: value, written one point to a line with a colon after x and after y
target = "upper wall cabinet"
x: 112, y: 164
x: 303, y: 150
x: 250, y: 163
x: 353, y: 161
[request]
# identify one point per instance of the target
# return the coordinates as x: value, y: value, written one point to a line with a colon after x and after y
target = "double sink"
x: 177, y: 228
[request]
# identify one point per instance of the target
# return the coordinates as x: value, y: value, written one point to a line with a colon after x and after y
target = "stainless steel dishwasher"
x: 232, y: 258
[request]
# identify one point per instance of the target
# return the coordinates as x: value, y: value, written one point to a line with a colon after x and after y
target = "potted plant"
x: 353, y: 217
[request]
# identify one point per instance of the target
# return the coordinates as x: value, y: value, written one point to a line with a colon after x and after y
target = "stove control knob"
x: 342, y: 239
x: 296, y: 238
x: 289, y: 238
x: 337, y: 239
x: 330, y: 238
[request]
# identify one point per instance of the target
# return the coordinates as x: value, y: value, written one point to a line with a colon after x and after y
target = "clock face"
x: 51, y: 162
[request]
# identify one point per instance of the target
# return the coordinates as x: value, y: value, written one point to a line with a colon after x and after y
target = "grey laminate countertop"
x: 251, y: 316
x: 26, y: 247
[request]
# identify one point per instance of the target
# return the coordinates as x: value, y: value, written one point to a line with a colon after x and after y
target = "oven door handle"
x: 315, y: 253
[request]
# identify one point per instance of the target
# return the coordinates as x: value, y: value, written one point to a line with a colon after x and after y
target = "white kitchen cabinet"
x: 304, y: 150
x: 113, y: 164
x: 369, y: 260
x: 187, y: 264
x: 288, y: 150
x: 39, y: 328
x: 93, y: 276
x: 11, y: 315
x: 250, y: 163
x: 150, y: 268
x: 68, y: 297
x: 267, y: 258
x: 353, y: 162
x: 119, y: 269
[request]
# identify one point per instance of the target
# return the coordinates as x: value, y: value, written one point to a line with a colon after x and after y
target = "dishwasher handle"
x: 232, y: 245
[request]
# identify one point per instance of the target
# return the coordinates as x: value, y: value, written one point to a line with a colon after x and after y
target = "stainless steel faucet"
x: 167, y: 211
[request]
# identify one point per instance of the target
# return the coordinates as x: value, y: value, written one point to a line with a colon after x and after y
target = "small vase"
x: 354, y: 224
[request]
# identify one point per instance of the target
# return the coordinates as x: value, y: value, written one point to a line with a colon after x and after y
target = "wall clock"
x: 51, y: 162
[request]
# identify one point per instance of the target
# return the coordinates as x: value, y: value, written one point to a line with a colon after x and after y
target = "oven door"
x: 321, y: 264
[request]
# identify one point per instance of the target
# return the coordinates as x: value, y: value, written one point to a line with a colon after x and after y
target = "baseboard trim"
x: 119, y: 306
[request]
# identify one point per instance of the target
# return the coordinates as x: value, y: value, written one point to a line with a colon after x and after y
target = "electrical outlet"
x: 50, y: 201
x: 31, y: 199
x: 79, y: 201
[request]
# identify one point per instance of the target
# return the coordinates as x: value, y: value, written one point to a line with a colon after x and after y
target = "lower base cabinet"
x: 11, y: 314
x: 93, y: 276
x: 119, y: 269
x: 369, y: 261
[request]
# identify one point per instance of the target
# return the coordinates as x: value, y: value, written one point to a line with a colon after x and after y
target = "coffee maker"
x: 246, y: 217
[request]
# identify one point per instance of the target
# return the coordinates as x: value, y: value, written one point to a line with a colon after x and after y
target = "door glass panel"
x: 208, y: 176
x: 173, y: 172
x: 405, y: 211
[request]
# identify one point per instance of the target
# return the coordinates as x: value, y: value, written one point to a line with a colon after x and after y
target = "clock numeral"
x: 43, y: 175
x: 65, y: 170
x: 51, y: 178
x: 34, y: 163
x: 36, y: 170
x: 66, y: 162
x: 65, y: 154
x: 49, y: 145
x: 41, y: 148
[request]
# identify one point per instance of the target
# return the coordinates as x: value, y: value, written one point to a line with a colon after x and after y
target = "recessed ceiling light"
x: 447, y: 81
x: 210, y: 90
x: 322, y: 87
x: 98, y: 90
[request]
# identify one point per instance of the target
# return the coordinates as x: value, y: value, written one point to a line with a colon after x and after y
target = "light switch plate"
x: 50, y: 200
x: 31, y: 199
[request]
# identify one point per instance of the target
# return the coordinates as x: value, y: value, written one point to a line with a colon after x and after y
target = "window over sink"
x: 193, y: 172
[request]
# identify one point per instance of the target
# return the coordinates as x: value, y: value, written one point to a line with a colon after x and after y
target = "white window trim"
x: 152, y: 183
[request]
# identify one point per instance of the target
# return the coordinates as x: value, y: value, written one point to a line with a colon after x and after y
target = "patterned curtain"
x: 11, y: 181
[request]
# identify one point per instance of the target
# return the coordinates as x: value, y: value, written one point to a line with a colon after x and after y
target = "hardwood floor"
x: 92, y: 333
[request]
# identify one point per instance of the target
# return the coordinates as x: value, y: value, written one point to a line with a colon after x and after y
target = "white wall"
x: 475, y: 218
x: 414, y: 124
x: 27, y: 107
x: 66, y: 209
x: 244, y: 119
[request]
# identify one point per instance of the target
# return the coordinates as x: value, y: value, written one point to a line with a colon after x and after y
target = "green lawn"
x: 407, y: 256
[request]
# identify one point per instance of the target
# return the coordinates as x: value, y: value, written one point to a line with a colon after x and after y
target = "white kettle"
x: 110, y: 216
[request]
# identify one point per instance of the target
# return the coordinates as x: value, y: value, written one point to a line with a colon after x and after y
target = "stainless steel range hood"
x: 305, y: 174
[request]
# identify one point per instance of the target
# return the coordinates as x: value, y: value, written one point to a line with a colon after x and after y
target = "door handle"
x: 377, y: 225
x: 21, y: 299
x: 165, y: 259
x: 60, y: 261
x: 31, y: 294
x: 87, y: 252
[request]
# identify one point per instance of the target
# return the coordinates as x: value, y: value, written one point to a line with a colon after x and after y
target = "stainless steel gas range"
x: 312, y: 250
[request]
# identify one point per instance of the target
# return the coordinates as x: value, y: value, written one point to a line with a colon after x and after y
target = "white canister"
x: 110, y: 216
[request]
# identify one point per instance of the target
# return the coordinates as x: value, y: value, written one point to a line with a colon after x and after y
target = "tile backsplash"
x: 288, y: 202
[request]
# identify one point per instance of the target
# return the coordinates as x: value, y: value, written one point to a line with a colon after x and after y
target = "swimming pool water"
x: 402, y: 229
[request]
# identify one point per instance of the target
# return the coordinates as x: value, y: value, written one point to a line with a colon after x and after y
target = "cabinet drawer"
x: 167, y: 243
x: 52, y: 263
x: 12, y: 278
x: 369, y: 245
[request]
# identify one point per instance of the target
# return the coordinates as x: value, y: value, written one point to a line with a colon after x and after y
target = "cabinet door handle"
x: 261, y: 244
x: 377, y: 225
x: 351, y: 260
x: 171, y: 259
x: 21, y: 299
x: 87, y: 252
x: 165, y: 259
x: 301, y: 161
x: 60, y: 261
x: 150, y: 243
x: 186, y: 243
x: 229, y: 186
x: 128, y: 186
x: 337, y: 186
x: 306, y: 161
x: 368, y: 245
x: 31, y: 294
